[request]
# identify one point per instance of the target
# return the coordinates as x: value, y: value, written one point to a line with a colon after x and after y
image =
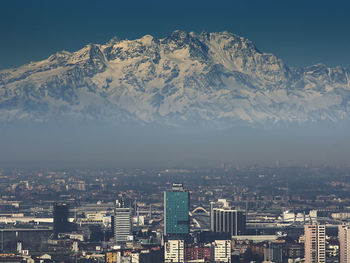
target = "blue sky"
x: 301, y: 32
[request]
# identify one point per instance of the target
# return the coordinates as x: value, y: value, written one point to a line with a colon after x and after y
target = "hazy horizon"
x: 91, y: 146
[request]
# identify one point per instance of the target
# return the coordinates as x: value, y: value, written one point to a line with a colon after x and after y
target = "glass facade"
x: 176, y: 207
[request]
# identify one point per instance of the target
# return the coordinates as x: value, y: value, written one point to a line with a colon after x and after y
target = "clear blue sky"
x: 301, y: 32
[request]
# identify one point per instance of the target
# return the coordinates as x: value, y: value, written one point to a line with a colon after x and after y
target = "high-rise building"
x: 176, y: 208
x: 60, y: 219
x: 224, y: 219
x: 122, y: 225
x: 174, y: 251
x: 344, y: 242
x: 315, y: 243
x: 221, y: 250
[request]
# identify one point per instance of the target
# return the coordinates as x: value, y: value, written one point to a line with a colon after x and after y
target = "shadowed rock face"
x: 215, y: 79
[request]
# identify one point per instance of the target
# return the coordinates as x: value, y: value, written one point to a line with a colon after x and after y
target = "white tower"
x: 315, y: 243
x: 344, y: 241
x: 174, y: 251
x: 122, y: 225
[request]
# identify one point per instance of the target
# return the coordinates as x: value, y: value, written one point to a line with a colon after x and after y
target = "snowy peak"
x: 216, y: 79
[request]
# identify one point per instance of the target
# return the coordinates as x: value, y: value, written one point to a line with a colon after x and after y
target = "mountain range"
x: 216, y: 79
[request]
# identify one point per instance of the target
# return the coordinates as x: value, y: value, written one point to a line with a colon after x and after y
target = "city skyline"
x: 174, y: 131
x: 73, y: 215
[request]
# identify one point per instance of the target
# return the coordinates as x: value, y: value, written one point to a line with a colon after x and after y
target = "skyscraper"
x: 315, y: 243
x: 122, y: 225
x: 224, y: 219
x: 176, y: 208
x: 344, y: 241
x: 60, y: 219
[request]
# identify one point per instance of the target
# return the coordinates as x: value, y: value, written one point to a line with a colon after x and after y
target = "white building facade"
x: 221, y: 251
x: 344, y: 242
x: 174, y: 251
x: 315, y: 243
x: 122, y: 225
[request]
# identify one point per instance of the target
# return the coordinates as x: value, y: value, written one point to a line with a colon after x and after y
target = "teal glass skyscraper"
x: 176, y: 207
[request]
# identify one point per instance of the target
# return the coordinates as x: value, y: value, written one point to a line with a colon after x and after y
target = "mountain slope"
x: 211, y: 78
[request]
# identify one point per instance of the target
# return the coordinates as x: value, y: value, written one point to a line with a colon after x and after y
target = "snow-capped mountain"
x: 212, y: 78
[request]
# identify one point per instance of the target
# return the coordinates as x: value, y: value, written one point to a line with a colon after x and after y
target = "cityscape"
x: 187, y: 131
x: 221, y: 214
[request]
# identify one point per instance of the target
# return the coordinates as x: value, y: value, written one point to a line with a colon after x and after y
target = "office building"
x: 344, y: 242
x: 176, y: 208
x: 122, y: 225
x: 315, y: 243
x: 174, y: 251
x: 224, y: 219
x: 60, y: 219
x: 221, y: 250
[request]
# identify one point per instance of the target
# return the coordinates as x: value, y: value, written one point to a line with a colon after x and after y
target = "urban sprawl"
x: 222, y: 214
